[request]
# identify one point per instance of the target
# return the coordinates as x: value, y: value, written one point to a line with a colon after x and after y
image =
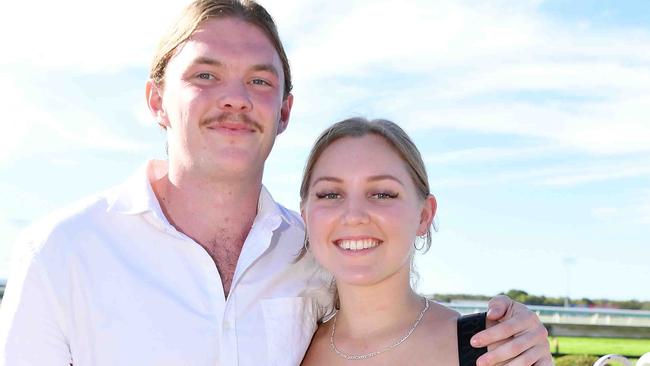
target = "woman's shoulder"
x: 319, y: 348
x: 450, y: 332
x: 441, y: 319
x: 437, y: 338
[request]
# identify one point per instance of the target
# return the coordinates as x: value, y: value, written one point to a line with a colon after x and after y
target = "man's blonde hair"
x: 201, y: 10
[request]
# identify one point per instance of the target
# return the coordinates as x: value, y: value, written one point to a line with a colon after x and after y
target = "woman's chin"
x: 357, y: 277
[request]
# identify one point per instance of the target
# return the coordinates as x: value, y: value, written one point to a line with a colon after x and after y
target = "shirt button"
x: 226, y: 326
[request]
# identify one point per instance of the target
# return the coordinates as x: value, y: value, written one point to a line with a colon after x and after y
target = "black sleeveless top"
x: 468, y: 325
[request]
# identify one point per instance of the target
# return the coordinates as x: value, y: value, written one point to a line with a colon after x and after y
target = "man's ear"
x: 155, y: 103
x: 427, y: 215
x: 285, y: 112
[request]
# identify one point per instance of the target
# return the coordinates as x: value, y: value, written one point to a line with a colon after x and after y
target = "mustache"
x: 233, y: 117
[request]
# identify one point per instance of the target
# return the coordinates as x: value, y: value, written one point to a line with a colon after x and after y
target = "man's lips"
x: 232, y: 122
x: 231, y: 127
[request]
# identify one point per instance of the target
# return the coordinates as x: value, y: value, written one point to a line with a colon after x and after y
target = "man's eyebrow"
x: 207, y: 61
x: 266, y: 67
x: 375, y: 178
x: 327, y: 179
x: 203, y: 60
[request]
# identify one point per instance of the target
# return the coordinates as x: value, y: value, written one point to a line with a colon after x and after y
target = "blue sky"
x: 532, y: 117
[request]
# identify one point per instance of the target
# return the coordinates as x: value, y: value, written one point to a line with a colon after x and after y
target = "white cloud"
x: 605, y: 213
x: 487, y: 154
x: 596, y: 174
x: 36, y: 128
x: 470, y: 67
x: 15, y: 105
x: 607, y: 127
x: 467, y: 61
x: 576, y: 78
x: 641, y: 210
x: 558, y: 175
x: 414, y: 35
x: 83, y: 35
x: 637, y: 211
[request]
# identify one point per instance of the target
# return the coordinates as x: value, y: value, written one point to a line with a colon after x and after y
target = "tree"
x: 518, y: 295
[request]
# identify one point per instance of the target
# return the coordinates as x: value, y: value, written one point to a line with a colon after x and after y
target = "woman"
x: 366, y: 203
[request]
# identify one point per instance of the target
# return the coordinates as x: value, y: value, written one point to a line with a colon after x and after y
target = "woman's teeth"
x: 357, y: 244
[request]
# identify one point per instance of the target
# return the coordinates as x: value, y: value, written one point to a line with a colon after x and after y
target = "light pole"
x: 568, y: 262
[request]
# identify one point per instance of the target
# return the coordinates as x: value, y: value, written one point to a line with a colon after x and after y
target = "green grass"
x: 600, y: 346
x: 570, y: 360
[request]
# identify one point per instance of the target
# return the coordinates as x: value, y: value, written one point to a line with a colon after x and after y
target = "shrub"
x: 576, y: 360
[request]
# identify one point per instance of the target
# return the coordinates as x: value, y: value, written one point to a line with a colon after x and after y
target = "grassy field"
x: 600, y: 346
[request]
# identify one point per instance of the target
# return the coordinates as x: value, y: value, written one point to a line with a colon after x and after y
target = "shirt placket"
x: 228, y: 344
x: 223, y: 310
x: 260, y: 234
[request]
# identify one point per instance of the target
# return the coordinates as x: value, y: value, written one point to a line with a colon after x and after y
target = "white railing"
x: 579, y: 316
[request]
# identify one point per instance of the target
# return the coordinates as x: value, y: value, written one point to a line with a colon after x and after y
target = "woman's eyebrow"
x: 327, y: 179
x: 384, y: 177
x: 373, y: 178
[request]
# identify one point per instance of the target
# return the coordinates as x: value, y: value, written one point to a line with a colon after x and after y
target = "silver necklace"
x: 375, y: 353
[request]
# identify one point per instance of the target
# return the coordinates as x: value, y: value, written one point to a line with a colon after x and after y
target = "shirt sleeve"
x: 467, y: 326
x: 31, y: 317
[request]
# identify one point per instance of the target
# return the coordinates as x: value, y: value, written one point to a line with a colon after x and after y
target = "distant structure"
x: 579, y: 322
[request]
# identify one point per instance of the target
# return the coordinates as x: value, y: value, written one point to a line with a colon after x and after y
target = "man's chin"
x: 233, y: 167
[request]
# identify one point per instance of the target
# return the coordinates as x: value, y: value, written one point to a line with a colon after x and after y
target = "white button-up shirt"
x: 111, y: 282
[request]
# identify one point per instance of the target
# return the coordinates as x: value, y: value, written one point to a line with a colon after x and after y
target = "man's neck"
x: 217, y: 214
x: 200, y: 207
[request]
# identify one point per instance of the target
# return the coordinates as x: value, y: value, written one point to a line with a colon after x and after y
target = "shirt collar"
x: 268, y: 211
x: 135, y: 196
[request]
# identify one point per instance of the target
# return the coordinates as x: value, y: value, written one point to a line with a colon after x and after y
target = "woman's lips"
x: 354, y: 245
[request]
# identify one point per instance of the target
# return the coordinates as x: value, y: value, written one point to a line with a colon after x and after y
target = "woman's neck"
x: 384, y: 309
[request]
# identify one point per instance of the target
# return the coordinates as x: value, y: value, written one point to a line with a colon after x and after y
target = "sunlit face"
x: 222, y: 99
x: 363, y: 212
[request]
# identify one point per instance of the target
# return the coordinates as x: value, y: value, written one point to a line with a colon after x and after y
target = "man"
x: 191, y: 262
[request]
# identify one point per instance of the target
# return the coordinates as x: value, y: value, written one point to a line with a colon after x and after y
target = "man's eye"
x: 328, y: 195
x: 260, y: 82
x: 205, y: 76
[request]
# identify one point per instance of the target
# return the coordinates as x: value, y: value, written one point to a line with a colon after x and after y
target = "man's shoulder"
x: 66, y: 221
x: 291, y: 216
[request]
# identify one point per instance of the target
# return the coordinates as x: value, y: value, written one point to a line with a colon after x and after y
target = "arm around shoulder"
x: 515, y: 334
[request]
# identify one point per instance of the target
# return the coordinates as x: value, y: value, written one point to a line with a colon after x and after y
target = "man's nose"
x: 235, y: 98
x: 356, y: 211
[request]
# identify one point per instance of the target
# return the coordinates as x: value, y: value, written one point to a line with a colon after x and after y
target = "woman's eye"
x: 385, y: 195
x: 328, y: 195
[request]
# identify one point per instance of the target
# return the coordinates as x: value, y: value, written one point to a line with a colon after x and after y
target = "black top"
x: 468, y: 325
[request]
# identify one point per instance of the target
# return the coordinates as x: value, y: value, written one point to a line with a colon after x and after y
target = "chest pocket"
x: 290, y: 323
